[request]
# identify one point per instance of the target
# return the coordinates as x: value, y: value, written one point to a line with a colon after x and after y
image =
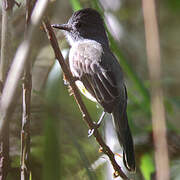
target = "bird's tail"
x: 124, y: 136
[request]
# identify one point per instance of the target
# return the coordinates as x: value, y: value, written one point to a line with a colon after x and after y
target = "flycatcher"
x: 99, y: 74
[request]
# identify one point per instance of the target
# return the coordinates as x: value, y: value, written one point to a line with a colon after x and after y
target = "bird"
x: 98, y: 73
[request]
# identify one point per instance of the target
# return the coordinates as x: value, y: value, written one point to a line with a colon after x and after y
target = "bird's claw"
x: 66, y: 83
x: 96, y: 125
x: 91, y: 131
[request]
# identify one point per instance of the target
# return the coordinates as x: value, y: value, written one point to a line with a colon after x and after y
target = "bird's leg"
x: 66, y: 83
x: 101, y: 118
x: 96, y: 125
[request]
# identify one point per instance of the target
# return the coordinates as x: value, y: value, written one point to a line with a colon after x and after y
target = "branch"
x: 85, y: 114
x: 26, y: 115
x: 157, y: 106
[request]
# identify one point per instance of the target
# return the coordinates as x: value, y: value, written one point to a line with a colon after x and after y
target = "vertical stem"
x: 25, y: 131
x: 27, y: 86
x: 5, y: 39
x: 7, y: 6
x: 157, y: 106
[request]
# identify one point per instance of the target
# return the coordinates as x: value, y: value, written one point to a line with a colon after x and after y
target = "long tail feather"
x: 124, y: 136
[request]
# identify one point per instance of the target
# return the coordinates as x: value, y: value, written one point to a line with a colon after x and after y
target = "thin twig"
x: 27, y: 86
x: 7, y: 6
x: 85, y: 114
x: 157, y: 106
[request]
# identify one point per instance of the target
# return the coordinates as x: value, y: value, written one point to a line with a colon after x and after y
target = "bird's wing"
x: 97, y: 74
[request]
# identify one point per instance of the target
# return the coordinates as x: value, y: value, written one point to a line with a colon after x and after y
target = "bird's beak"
x: 65, y: 27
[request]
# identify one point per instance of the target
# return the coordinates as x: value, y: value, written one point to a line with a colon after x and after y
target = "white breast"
x: 85, y: 50
x: 88, y: 49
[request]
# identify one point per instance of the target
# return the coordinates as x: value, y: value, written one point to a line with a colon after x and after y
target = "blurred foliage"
x: 147, y: 166
x: 174, y: 5
x: 76, y: 5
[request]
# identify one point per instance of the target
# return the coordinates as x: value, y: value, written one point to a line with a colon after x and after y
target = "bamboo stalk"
x: 157, y: 106
x: 7, y: 6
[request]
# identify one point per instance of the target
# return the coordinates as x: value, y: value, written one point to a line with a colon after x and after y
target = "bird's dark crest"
x: 85, y: 14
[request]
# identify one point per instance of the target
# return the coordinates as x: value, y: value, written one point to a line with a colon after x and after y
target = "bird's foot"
x: 91, y: 131
x: 66, y: 82
x: 96, y: 125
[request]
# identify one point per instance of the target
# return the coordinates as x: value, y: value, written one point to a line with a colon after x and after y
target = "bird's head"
x: 84, y: 24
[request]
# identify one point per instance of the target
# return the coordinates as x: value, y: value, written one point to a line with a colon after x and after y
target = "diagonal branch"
x: 82, y: 107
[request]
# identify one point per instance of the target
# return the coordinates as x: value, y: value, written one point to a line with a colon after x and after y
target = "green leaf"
x: 51, y: 164
x: 76, y: 5
x: 30, y: 178
x: 147, y: 166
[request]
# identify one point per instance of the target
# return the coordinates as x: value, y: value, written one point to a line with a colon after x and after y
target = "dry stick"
x: 157, y: 107
x: 27, y: 86
x: 7, y: 6
x: 85, y: 114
